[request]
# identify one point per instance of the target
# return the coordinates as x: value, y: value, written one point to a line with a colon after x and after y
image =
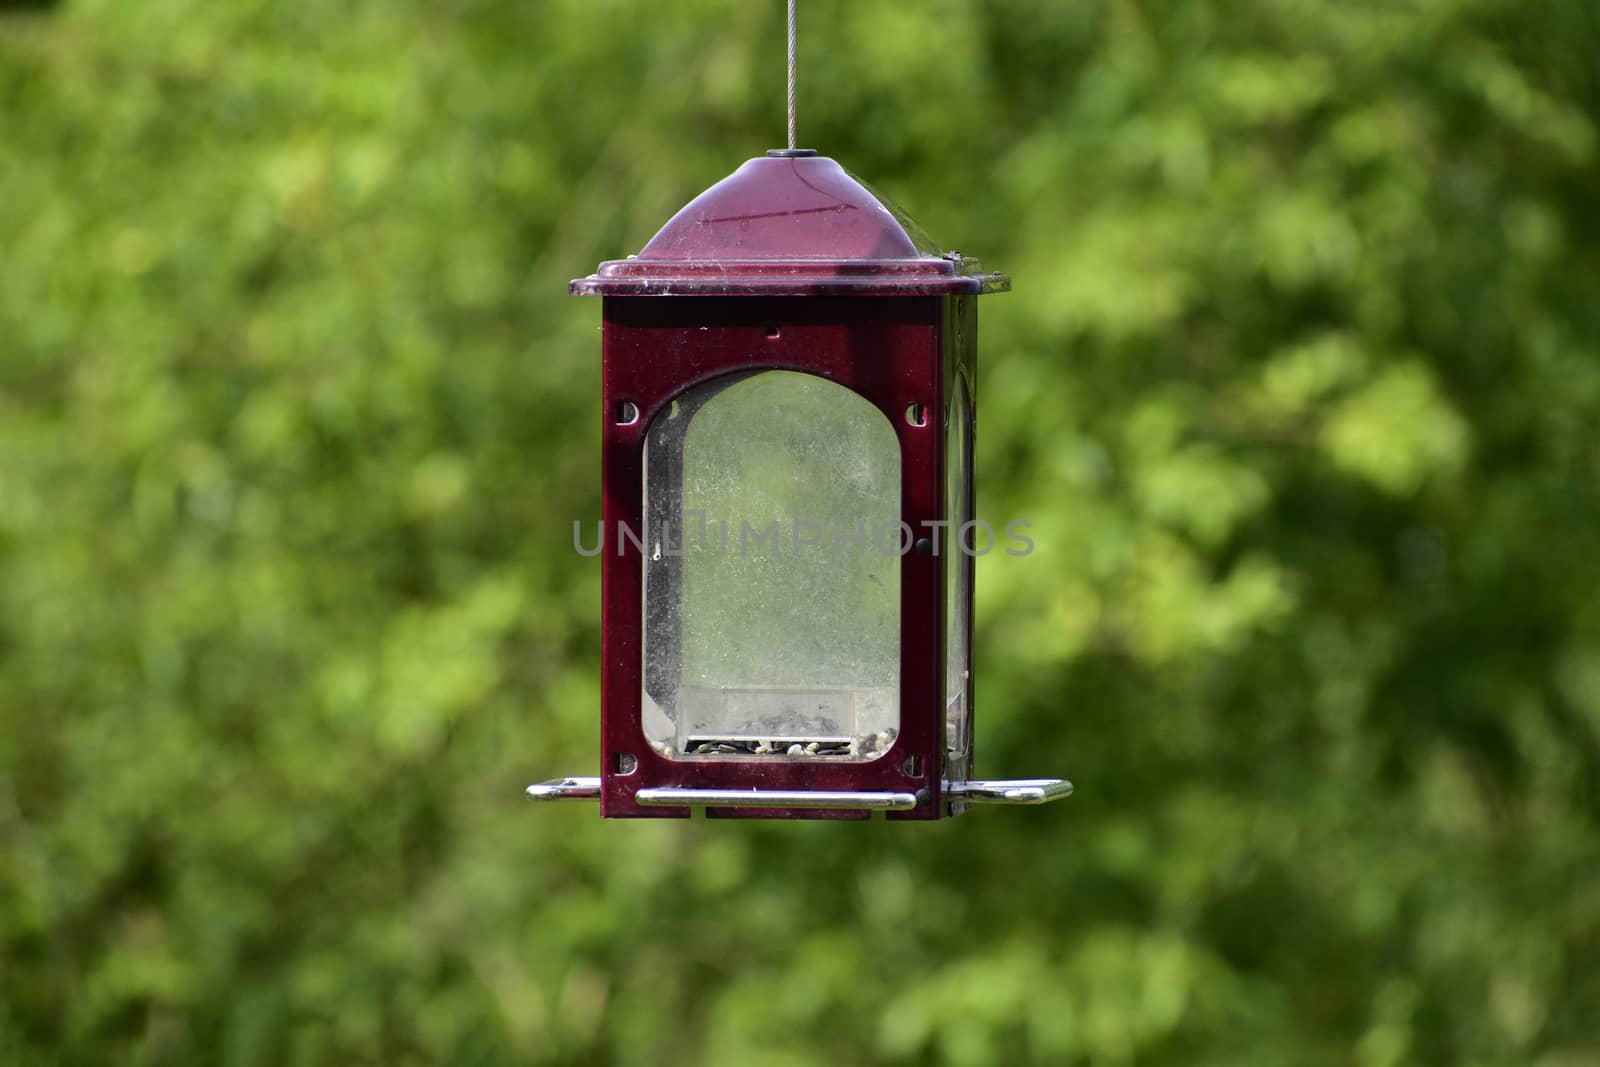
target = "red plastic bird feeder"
x: 790, y: 372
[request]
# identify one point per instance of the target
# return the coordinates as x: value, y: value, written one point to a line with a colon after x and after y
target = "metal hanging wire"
x: 792, y: 139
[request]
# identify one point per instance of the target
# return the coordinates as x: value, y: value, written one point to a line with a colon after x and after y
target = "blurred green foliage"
x: 1300, y: 386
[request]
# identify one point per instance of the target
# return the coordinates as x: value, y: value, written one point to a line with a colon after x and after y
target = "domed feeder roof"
x: 790, y: 223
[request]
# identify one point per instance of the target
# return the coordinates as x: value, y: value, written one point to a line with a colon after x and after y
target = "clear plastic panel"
x: 958, y: 575
x: 772, y: 572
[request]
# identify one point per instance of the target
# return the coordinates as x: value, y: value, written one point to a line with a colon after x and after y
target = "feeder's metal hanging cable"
x: 792, y: 142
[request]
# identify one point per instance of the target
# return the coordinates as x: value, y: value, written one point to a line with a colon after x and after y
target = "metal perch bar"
x: 566, y: 789
x: 1009, y: 790
x: 1019, y: 791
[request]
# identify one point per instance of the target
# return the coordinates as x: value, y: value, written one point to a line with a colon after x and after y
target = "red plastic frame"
x: 892, y: 351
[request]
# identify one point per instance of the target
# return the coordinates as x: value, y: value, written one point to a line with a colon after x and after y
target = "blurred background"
x: 1300, y: 387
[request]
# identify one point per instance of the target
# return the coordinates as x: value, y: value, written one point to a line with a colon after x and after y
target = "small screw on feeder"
x: 789, y: 381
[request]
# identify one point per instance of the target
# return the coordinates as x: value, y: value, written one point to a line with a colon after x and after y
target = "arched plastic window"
x: 772, y: 572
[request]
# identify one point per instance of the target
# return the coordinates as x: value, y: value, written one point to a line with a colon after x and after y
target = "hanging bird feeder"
x: 789, y: 381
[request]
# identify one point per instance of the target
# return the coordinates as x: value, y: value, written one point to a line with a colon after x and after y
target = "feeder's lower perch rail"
x: 983, y: 791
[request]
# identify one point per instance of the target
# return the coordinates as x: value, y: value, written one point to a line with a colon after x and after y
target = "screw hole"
x: 627, y: 763
x: 773, y: 331
x: 627, y: 413
x: 912, y: 766
x: 916, y: 414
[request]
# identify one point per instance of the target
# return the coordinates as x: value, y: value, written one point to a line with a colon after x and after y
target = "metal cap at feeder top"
x: 790, y: 223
